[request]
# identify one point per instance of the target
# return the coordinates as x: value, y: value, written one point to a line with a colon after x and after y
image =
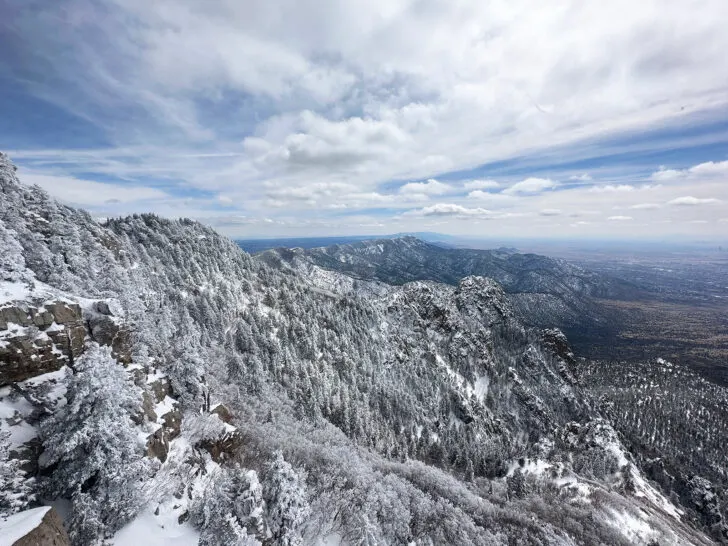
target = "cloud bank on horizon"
x: 575, y: 118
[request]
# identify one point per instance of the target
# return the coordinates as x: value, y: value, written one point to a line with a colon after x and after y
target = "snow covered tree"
x: 12, y: 265
x: 286, y: 500
x: 91, y: 442
x: 15, y: 491
x: 85, y: 524
x: 230, y: 510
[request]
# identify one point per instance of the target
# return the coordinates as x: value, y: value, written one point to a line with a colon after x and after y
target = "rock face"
x: 36, y: 339
x: 105, y: 330
x: 36, y: 527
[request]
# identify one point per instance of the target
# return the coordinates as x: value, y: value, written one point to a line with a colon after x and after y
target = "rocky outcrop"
x: 555, y: 340
x: 105, y: 329
x: 223, y: 448
x: 36, y: 527
x: 37, y: 339
x: 158, y: 442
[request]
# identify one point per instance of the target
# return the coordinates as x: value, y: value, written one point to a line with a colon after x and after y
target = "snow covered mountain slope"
x: 545, y: 291
x: 221, y: 399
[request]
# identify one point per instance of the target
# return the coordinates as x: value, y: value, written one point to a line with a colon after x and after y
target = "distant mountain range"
x: 544, y: 291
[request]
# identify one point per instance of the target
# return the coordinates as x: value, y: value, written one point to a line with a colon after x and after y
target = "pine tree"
x: 286, y: 500
x: 91, y: 442
x: 15, y: 491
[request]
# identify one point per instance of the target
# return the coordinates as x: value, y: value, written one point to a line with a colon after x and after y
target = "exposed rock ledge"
x: 37, y: 339
x: 37, y: 527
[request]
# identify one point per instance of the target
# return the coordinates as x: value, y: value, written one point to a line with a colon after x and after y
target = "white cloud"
x: 81, y: 192
x: 690, y: 201
x: 619, y: 218
x: 530, y: 186
x: 645, y: 206
x: 290, y: 110
x: 550, y: 212
x: 450, y: 209
x: 665, y: 175
x: 431, y: 187
x: 612, y: 188
x: 481, y: 184
x: 702, y: 170
x: 494, y: 199
x: 710, y: 168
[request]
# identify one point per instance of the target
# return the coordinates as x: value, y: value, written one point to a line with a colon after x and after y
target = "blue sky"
x: 574, y: 118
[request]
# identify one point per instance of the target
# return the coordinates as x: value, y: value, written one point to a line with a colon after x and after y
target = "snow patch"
x: 18, y: 525
x: 157, y: 530
x: 634, y: 528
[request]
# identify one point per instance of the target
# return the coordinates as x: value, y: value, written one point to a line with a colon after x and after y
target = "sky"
x: 273, y: 118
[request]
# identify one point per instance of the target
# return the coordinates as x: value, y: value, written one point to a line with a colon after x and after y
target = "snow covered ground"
x: 18, y: 525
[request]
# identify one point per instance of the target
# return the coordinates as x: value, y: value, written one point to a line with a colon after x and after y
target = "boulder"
x: 160, y: 388
x: 172, y: 423
x: 158, y: 445
x: 223, y: 413
x: 103, y: 308
x: 17, y: 314
x: 65, y: 313
x: 146, y: 410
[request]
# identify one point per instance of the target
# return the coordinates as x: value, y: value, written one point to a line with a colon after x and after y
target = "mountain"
x: 544, y: 291
x: 167, y: 387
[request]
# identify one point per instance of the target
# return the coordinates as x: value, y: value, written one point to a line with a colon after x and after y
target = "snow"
x: 164, y: 407
x: 162, y: 530
x: 12, y: 413
x: 332, y: 539
x: 13, y: 291
x: 635, y: 529
x: 646, y: 491
x: 480, y: 389
x: 18, y: 525
x: 532, y: 466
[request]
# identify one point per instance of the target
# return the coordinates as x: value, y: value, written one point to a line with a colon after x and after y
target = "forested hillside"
x: 545, y: 292
x: 161, y: 383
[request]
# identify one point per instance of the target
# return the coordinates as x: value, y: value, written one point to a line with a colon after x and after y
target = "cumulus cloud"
x: 619, y: 218
x: 702, y: 170
x: 450, y: 209
x: 530, y: 186
x: 431, y: 187
x: 610, y: 188
x: 310, y: 111
x: 645, y: 206
x: 550, y: 212
x: 481, y: 185
x: 665, y: 175
x: 690, y: 201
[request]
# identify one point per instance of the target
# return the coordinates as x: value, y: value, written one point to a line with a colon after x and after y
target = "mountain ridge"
x: 280, y: 406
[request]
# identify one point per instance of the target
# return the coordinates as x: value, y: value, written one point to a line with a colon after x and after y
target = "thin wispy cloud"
x: 318, y: 113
